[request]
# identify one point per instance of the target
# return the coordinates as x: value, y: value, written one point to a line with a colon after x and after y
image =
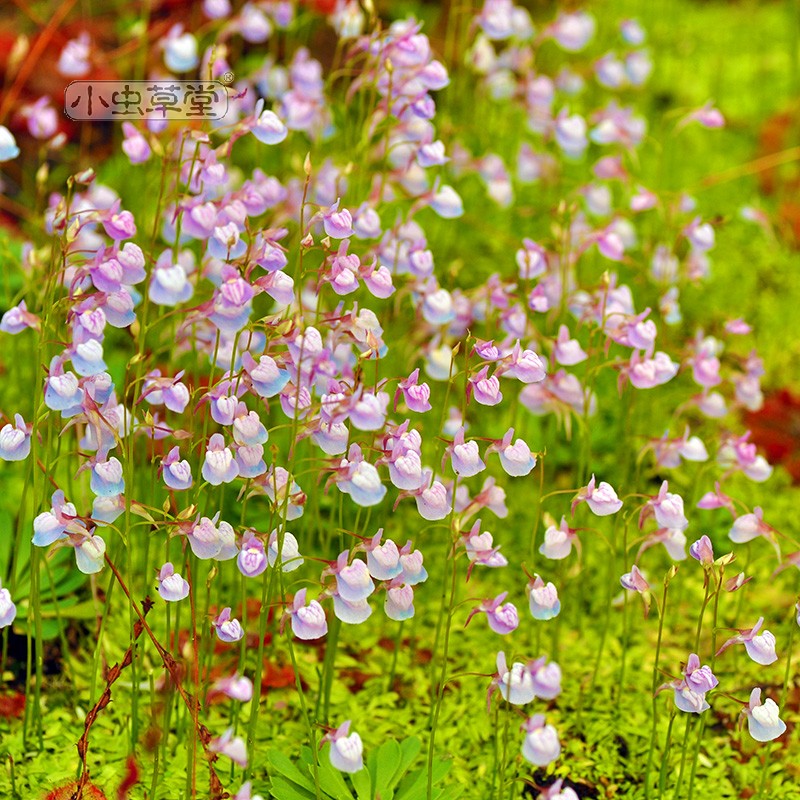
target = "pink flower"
x: 228, y: 630
x: 308, y: 621
x: 602, y: 500
x: 502, y: 617
x: 760, y: 647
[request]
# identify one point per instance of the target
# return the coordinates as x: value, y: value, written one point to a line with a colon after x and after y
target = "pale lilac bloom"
x: 8, y: 145
x: 481, y: 550
x: 602, y: 499
x: 570, y: 134
x: 411, y: 562
x: 541, y: 746
x: 447, y: 203
x: 557, y: 791
x: 308, y: 621
x: 515, y: 685
x: 232, y: 747
x: 543, y: 599
x: 107, y: 479
x: 524, y: 365
x: 568, y: 351
x: 227, y: 539
x: 18, y: 318
x: 228, y: 630
x: 180, y: 50
x: 760, y: 646
x: 134, y: 145
x: 171, y: 586
x: 750, y: 526
x: 557, y: 543
x: 546, y: 678
x: 690, y: 691
x: 634, y: 581
x: 417, y: 395
x: 399, y: 604
x: 383, y: 560
x: 338, y: 224
x: 763, y: 721
x: 265, y: 376
x: 106, y: 510
x: 502, y: 617
x: 351, y: 612
x: 369, y: 411
x: 464, y: 456
x: 346, y: 753
x: 516, y: 459
x: 668, y: 509
x: 485, y: 389
x: 252, y: 559
x: 573, y: 31
x: 237, y: 687
x: 703, y: 551
x: 15, y: 440
x: 360, y: 479
x: 716, y: 499
x: 8, y: 611
x: 432, y: 502
x: 204, y: 538
x: 267, y: 126
x: 177, y: 473
x: 290, y: 557
x: 353, y: 581
x: 49, y: 526
x: 219, y: 465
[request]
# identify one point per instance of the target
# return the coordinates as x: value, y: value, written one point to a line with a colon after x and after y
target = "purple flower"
x: 515, y: 685
x: 106, y: 510
x: 352, y: 612
x: 416, y: 395
x: 49, y: 526
x: 18, y: 318
x: 228, y: 630
x: 541, y: 746
x: 8, y: 145
x: 432, y: 502
x: 602, y: 499
x: 252, y: 559
x: 338, y: 224
x: 383, y: 560
x: 177, y: 473
x: 516, y: 459
x: 8, y: 611
x: 465, y: 457
x: 265, y: 376
x: 557, y: 543
x: 760, y: 646
x: 267, y: 126
x: 106, y: 479
x: 15, y: 440
x: 353, y: 581
x: 568, y: 351
x: 171, y: 586
x: 668, y: 509
x: 703, y: 551
x: 290, y: 557
x: 543, y: 599
x: 411, y: 562
x: 485, y: 389
x: 502, y: 617
x: 204, y: 538
x: 237, y: 687
x: 308, y: 621
x: 219, y: 465
x: 134, y: 145
x: 634, y: 581
x: 399, y: 603
x: 232, y: 747
x: 346, y: 753
x: 763, y: 721
x: 447, y: 203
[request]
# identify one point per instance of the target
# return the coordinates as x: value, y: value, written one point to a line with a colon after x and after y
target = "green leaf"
x: 332, y: 781
x: 362, y: 782
x: 383, y: 768
x: 416, y: 782
x: 282, y: 789
x: 283, y: 765
x: 409, y: 749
